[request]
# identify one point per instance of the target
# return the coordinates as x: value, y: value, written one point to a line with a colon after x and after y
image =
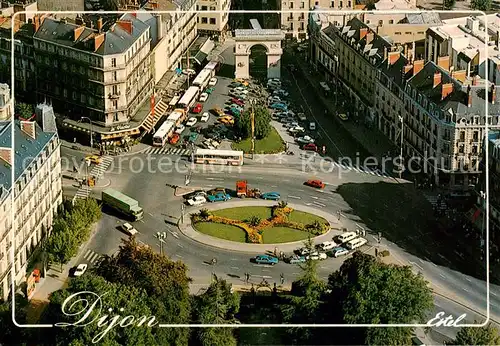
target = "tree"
x: 163, y: 279
x: 481, y: 5
x: 282, y: 204
x: 134, y: 301
x: 218, y: 305
x: 254, y: 221
x: 365, y: 290
x: 63, y: 242
x: 477, y: 336
x: 23, y: 110
x: 12, y: 335
x: 262, y: 120
x: 448, y: 4
x: 204, y: 213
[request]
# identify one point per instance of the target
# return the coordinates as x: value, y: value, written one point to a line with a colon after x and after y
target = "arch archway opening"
x: 258, y: 62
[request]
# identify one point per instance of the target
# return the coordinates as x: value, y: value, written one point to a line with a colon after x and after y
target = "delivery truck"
x: 123, y: 204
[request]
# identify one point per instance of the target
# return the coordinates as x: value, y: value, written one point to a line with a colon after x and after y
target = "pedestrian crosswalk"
x: 168, y: 151
x: 91, y: 256
x: 359, y: 169
x: 83, y: 192
x: 96, y: 171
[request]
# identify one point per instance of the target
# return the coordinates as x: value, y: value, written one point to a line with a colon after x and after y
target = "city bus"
x: 177, y: 116
x: 219, y: 157
x: 212, y: 66
x: 189, y: 98
x: 163, y: 133
x: 202, y: 78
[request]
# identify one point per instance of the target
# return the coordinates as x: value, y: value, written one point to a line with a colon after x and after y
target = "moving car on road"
x: 294, y: 259
x: 197, y: 108
x: 271, y: 195
x: 175, y: 138
x: 196, y: 200
x: 212, y: 81
x: 315, y: 183
x: 218, y: 197
x: 315, y: 256
x: 129, y: 229
x: 205, y: 117
x: 338, y: 251
x: 343, y: 117
x: 180, y: 129
x: 266, y: 259
x: 310, y: 147
x: 279, y: 106
x: 93, y: 159
x: 191, y: 121
x: 305, y: 140
x: 80, y: 270
x: 203, y: 97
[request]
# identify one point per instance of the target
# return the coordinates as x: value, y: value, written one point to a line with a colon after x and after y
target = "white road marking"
x: 323, y: 199
x: 320, y: 204
x: 444, y: 277
x: 235, y: 268
x: 179, y: 245
x: 314, y: 197
x: 265, y: 270
x: 296, y: 197
x: 287, y: 180
x: 493, y: 293
x: 465, y: 289
x: 260, y: 178
x: 295, y: 273
x: 210, y: 185
x: 174, y: 234
x: 320, y: 191
x: 216, y: 179
x: 416, y: 265
x: 274, y: 186
x: 142, y: 221
x: 421, y: 261
x: 150, y: 214
x: 300, y: 190
x: 234, y: 259
x: 468, y: 279
x: 179, y: 256
x: 308, y: 204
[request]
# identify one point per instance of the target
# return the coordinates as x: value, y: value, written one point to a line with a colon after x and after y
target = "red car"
x: 238, y: 102
x: 310, y: 146
x: 175, y: 138
x: 197, y: 108
x: 315, y: 183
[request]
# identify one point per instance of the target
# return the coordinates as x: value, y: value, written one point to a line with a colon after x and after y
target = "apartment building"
x: 295, y: 24
x: 466, y: 41
x: 213, y: 24
x: 99, y: 74
x: 6, y: 102
x: 35, y: 195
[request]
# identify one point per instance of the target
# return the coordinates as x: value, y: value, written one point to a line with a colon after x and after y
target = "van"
x: 347, y: 236
x: 302, y: 117
x: 355, y: 243
x: 312, y: 126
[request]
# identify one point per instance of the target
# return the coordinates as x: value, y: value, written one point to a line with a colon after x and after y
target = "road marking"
x: 468, y: 279
x: 287, y: 180
x: 216, y: 179
x: 323, y: 199
x: 274, y: 186
x: 465, y: 289
x: 308, y: 204
x: 210, y: 185
x: 142, y: 221
x: 295, y: 273
x: 234, y: 259
x: 444, y: 277
x: 320, y: 191
x: 265, y: 270
x: 296, y: 197
x: 174, y: 234
x: 260, y: 178
x: 150, y: 214
x: 421, y: 261
x: 179, y: 245
x: 300, y: 190
x: 320, y: 204
x: 179, y: 256
x: 235, y: 268
x: 493, y: 293
x: 314, y: 197
x: 416, y: 265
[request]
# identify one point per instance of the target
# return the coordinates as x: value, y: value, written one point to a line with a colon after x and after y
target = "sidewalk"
x: 187, y: 229
x: 135, y: 149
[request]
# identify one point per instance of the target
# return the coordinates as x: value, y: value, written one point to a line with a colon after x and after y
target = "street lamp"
x: 252, y: 115
x: 91, y: 133
x: 401, y: 150
x: 162, y: 236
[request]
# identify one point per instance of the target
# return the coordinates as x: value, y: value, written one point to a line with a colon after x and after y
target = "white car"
x: 303, y: 251
x: 191, y: 121
x: 280, y: 92
x: 188, y: 72
x: 339, y: 251
x: 205, y: 117
x: 129, y: 229
x: 213, y: 81
x: 241, y: 90
x: 80, y: 269
x: 203, y: 97
x: 317, y: 256
x: 305, y: 140
x: 180, y: 129
x: 196, y: 200
x: 213, y: 142
x: 327, y: 245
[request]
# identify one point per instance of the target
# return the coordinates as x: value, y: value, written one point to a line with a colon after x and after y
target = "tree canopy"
x: 23, y: 110
x: 262, y: 123
x: 481, y: 5
x: 477, y: 336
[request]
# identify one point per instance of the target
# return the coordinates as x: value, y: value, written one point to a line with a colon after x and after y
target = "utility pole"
x: 182, y: 213
x: 188, y: 75
x: 401, y: 150
x: 91, y: 131
x: 162, y: 236
x: 253, y: 126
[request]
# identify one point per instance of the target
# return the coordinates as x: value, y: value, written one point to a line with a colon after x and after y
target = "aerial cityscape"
x: 181, y: 172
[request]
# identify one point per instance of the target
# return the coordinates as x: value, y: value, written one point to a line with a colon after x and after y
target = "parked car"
x: 212, y: 81
x: 234, y: 111
x: 80, y: 269
x: 296, y: 129
x: 174, y: 139
x: 305, y: 140
x: 338, y: 251
x: 238, y: 102
x: 315, y: 183
x: 93, y: 159
x: 205, y: 117
x: 273, y: 99
x: 196, y: 200
x: 310, y: 147
x: 227, y: 120
x: 315, y: 256
x: 218, y: 111
x: 327, y: 245
x: 219, y: 197
x: 179, y: 129
x: 128, y: 229
x: 271, y: 195
x: 280, y: 92
x: 209, y: 90
x: 241, y: 81
x: 197, y: 108
x: 266, y: 259
x: 303, y: 251
x: 203, y: 97
x: 193, y: 136
x: 343, y: 117
x: 294, y: 259
x: 188, y: 72
x: 191, y: 121
x: 235, y: 85
x: 241, y: 90
x: 280, y: 106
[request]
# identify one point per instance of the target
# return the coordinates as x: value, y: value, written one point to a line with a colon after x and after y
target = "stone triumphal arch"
x: 247, y: 38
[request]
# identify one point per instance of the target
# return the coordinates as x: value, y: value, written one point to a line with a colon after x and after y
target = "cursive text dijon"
x: 93, y: 305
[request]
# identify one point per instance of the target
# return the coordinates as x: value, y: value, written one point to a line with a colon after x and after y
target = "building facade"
x: 213, y: 24
x: 34, y: 196
x: 103, y: 75
x: 6, y: 102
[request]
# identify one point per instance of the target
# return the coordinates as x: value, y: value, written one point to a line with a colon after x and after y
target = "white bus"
x: 177, y: 116
x: 163, y: 133
x: 219, y: 157
x: 212, y: 66
x: 189, y: 98
x: 355, y: 243
x: 347, y: 236
x: 202, y: 78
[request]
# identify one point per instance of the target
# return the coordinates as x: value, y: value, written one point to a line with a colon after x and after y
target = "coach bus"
x: 219, y: 157
x: 202, y: 78
x: 189, y: 98
x: 163, y: 133
x: 177, y: 116
x: 212, y: 66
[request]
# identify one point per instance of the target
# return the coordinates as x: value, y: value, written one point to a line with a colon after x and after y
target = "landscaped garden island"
x: 260, y: 225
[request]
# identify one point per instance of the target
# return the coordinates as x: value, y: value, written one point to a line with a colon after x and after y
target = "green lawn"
x: 269, y: 145
x: 244, y: 213
x: 274, y: 235
x: 222, y: 231
x: 304, y: 218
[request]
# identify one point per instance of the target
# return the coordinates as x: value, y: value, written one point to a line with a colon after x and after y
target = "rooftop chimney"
x: 444, y: 62
x: 493, y: 94
x: 77, y: 32
x: 469, y: 96
x: 385, y: 53
x: 362, y: 33
x: 459, y: 75
x: 99, y: 24
x: 125, y: 25
x: 446, y: 89
x: 28, y: 127
x: 369, y: 37
x: 79, y: 21
x: 437, y: 79
x: 98, y: 41
x: 5, y: 155
x: 36, y: 23
x: 393, y: 57
x: 418, y: 65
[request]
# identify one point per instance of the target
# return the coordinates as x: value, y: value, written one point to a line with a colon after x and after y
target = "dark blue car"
x: 266, y: 259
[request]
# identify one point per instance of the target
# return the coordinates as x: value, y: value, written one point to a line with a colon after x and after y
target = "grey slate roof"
x: 26, y: 149
x: 119, y: 40
x: 62, y: 33
x: 395, y: 71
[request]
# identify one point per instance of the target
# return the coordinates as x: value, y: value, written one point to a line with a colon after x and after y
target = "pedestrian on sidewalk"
x: 282, y: 279
x: 338, y: 215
